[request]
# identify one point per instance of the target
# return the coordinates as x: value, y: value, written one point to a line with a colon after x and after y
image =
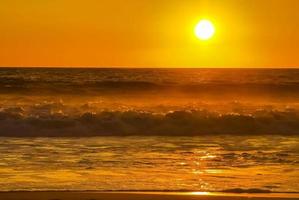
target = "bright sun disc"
x: 204, y: 30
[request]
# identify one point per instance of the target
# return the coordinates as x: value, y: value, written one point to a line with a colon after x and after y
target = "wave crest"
x: 42, y: 121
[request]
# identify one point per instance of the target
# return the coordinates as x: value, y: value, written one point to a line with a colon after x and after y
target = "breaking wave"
x: 148, y: 102
x: 41, y: 121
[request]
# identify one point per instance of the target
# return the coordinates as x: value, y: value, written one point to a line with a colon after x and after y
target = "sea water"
x: 149, y: 129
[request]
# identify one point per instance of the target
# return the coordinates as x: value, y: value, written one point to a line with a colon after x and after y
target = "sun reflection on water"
x: 200, y: 193
x: 177, y: 164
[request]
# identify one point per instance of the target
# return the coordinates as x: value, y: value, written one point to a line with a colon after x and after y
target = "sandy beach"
x: 138, y: 196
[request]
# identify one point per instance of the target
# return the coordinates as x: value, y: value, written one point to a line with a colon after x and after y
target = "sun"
x: 204, y: 30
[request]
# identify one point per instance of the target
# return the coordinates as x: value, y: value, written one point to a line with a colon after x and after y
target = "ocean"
x: 231, y: 130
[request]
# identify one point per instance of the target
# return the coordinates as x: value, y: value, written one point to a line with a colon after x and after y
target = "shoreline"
x: 93, y: 195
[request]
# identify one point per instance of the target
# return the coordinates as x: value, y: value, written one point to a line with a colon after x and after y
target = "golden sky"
x: 148, y: 33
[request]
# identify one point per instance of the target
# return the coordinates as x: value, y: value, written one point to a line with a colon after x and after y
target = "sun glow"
x: 200, y: 193
x: 204, y: 30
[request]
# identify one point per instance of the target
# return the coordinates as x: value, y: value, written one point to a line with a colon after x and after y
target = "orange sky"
x: 148, y: 33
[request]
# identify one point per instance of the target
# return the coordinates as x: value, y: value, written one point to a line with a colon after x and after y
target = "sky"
x: 148, y: 33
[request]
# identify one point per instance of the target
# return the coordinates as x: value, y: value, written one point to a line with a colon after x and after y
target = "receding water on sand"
x: 210, y: 163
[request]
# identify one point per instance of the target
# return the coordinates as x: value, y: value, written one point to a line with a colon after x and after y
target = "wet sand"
x: 139, y: 196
